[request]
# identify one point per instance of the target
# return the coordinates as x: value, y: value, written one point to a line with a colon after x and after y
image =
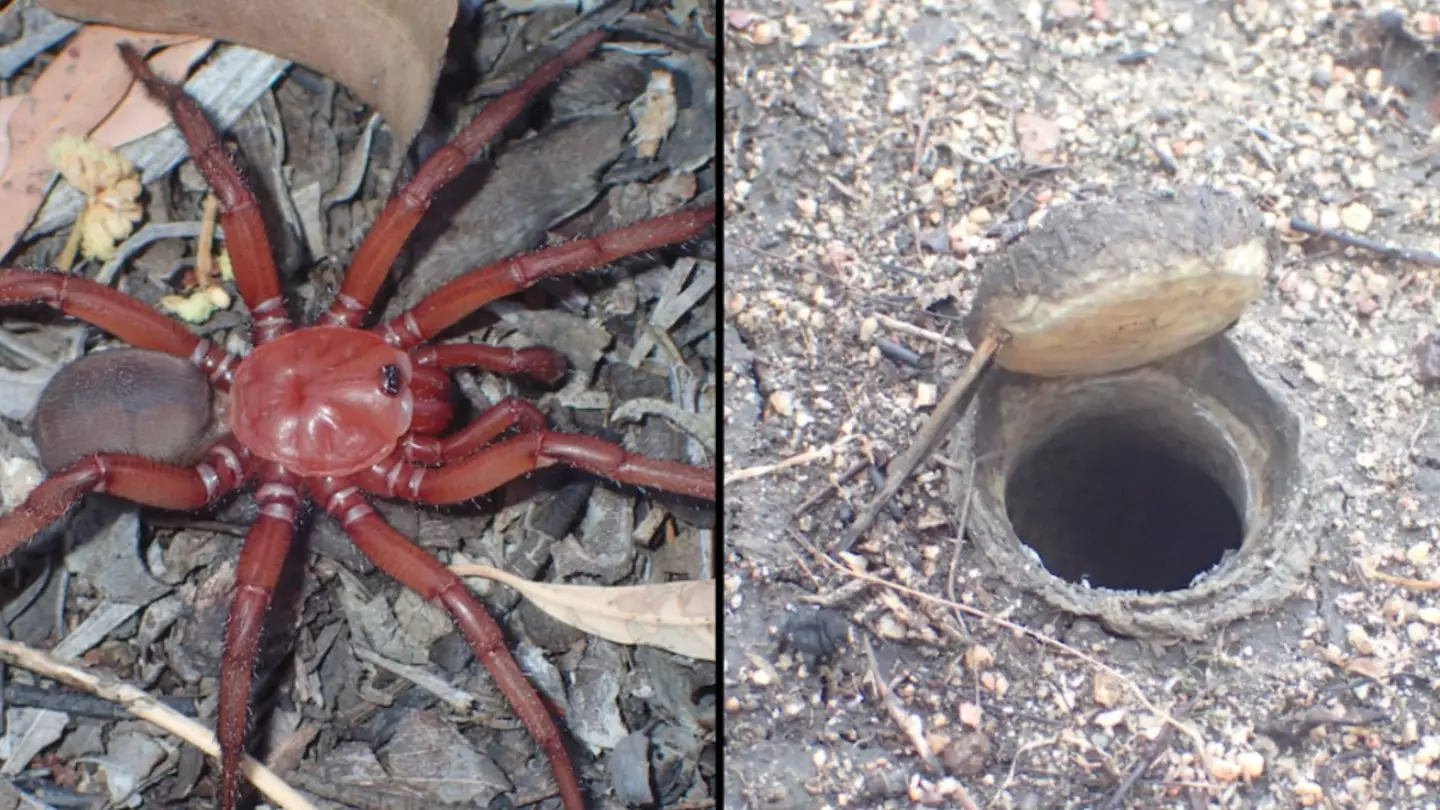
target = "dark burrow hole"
x: 1128, y: 501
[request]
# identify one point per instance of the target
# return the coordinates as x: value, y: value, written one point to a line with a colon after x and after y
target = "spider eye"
x: 390, y: 380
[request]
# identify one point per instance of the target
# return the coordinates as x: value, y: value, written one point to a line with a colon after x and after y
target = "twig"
x: 925, y: 441
x: 1263, y: 133
x: 960, y: 538
x: 923, y: 134
x: 1420, y: 257
x: 70, y: 702
x: 898, y: 353
x: 1101, y: 666
x: 911, y: 724
x: 794, y: 461
x: 1405, y: 582
x: 831, y: 489
x: 921, y: 332
x: 205, y: 247
x: 150, y: 233
x: 147, y: 708
x: 1162, y: 741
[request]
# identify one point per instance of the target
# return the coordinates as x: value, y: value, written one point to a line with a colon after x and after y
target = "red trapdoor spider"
x: 335, y: 413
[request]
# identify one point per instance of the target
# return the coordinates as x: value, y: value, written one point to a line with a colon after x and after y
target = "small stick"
x: 1405, y: 582
x: 1420, y: 257
x: 66, y: 260
x: 960, y: 539
x: 910, y: 724
x: 925, y: 441
x: 831, y: 489
x: 146, y: 708
x: 921, y: 332
x: 203, y: 250
x: 898, y: 353
x: 794, y: 461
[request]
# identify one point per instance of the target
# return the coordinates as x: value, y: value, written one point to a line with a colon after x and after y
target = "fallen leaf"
x: 676, y: 616
x: 74, y: 94
x: 8, y: 107
x: 138, y: 114
x: 654, y: 114
x: 388, y: 52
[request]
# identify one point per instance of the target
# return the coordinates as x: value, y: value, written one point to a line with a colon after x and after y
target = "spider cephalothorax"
x: 336, y: 413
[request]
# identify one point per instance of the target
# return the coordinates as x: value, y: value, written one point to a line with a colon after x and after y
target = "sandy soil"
x: 875, y: 155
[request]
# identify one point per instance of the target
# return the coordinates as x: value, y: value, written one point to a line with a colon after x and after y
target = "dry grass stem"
x: 138, y: 703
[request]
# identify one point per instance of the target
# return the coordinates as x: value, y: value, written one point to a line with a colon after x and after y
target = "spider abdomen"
x: 323, y: 400
x: 128, y: 401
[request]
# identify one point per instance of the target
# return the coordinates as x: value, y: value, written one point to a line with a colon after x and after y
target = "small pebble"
x: 925, y: 395
x: 800, y: 35
x: 1356, y: 217
x: 1418, y: 554
x: 868, y: 328
x: 1252, y: 764
x: 1404, y: 768
x: 765, y: 32
x: 783, y: 403
x: 1224, y: 770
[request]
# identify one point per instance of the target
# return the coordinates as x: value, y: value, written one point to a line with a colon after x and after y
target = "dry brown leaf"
x: 387, y: 51
x: 8, y: 107
x: 139, y: 114
x: 74, y: 94
x: 675, y: 616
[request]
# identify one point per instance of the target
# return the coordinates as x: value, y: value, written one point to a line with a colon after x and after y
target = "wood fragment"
x: 944, y: 416
x: 1404, y: 582
x: 140, y: 704
x: 921, y: 332
x: 1404, y: 254
x: 794, y: 461
x: 910, y: 724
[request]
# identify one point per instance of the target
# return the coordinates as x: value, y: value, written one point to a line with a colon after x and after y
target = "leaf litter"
x: 194, y: 555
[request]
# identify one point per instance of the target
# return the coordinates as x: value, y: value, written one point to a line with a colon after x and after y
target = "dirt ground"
x: 875, y: 154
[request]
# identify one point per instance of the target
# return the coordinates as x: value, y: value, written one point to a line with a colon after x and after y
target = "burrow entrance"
x: 1119, y: 501
x: 1163, y: 500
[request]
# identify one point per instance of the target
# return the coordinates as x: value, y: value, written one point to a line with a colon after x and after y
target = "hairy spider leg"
x: 487, y: 469
x: 454, y: 301
x: 279, y: 496
x: 392, y: 229
x: 395, y: 554
x: 245, y: 235
x: 124, y: 317
x: 134, y: 478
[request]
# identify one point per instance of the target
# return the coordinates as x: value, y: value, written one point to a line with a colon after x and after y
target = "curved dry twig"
x: 140, y: 704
